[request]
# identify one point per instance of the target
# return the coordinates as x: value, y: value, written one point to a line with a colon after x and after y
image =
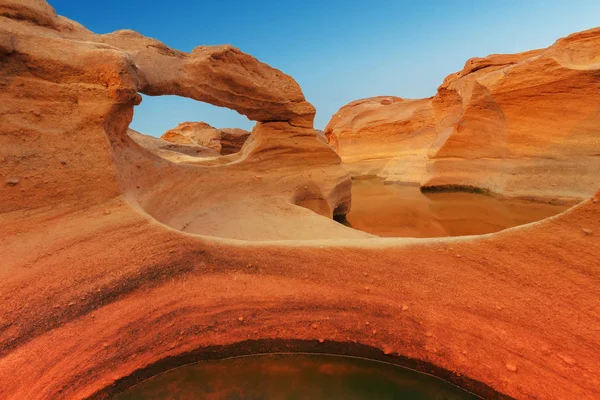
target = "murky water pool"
x: 294, y: 376
x: 403, y: 211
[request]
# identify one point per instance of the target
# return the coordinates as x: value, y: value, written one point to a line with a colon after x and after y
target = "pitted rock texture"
x: 115, y: 258
x: 53, y: 68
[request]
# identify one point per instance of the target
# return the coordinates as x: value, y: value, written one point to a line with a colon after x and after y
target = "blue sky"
x: 337, y: 50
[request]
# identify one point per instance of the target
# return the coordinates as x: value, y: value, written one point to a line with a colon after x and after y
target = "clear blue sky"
x: 338, y: 50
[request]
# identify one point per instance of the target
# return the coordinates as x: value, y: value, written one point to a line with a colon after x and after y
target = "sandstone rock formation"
x: 232, y: 139
x: 224, y: 141
x: 95, y: 79
x: 384, y: 136
x: 321, y: 136
x: 118, y: 263
x: 171, y: 150
x: 526, y: 124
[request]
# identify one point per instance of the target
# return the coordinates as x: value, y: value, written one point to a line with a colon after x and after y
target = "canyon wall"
x: 524, y: 124
x: 69, y: 95
x: 117, y: 263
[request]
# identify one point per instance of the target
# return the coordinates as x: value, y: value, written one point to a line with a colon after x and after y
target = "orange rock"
x: 172, y: 150
x: 172, y: 254
x: 96, y: 80
x: 224, y: 141
x: 522, y: 124
x: 195, y: 133
x: 383, y: 136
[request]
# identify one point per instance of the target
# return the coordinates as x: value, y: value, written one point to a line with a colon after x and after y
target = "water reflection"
x: 403, y: 211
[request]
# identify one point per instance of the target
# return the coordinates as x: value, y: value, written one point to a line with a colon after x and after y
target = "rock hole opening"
x: 177, y: 128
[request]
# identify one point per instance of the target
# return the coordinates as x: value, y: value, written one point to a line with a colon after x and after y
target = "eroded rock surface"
x: 102, y: 275
x: 524, y: 124
x: 224, y: 141
x: 384, y: 136
x: 172, y: 150
x: 53, y: 68
x: 232, y: 139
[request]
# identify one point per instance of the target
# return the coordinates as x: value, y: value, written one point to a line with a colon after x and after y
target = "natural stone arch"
x: 94, y: 290
x: 220, y: 75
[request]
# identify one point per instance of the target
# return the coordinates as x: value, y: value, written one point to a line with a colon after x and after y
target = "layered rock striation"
x: 118, y: 263
x: 58, y: 69
x: 384, y: 136
x: 225, y: 141
x: 523, y: 124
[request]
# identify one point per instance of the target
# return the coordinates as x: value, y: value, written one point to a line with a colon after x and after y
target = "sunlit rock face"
x: 224, y: 141
x: 524, y: 124
x: 173, y: 150
x: 116, y: 259
x: 54, y: 67
x: 384, y: 136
